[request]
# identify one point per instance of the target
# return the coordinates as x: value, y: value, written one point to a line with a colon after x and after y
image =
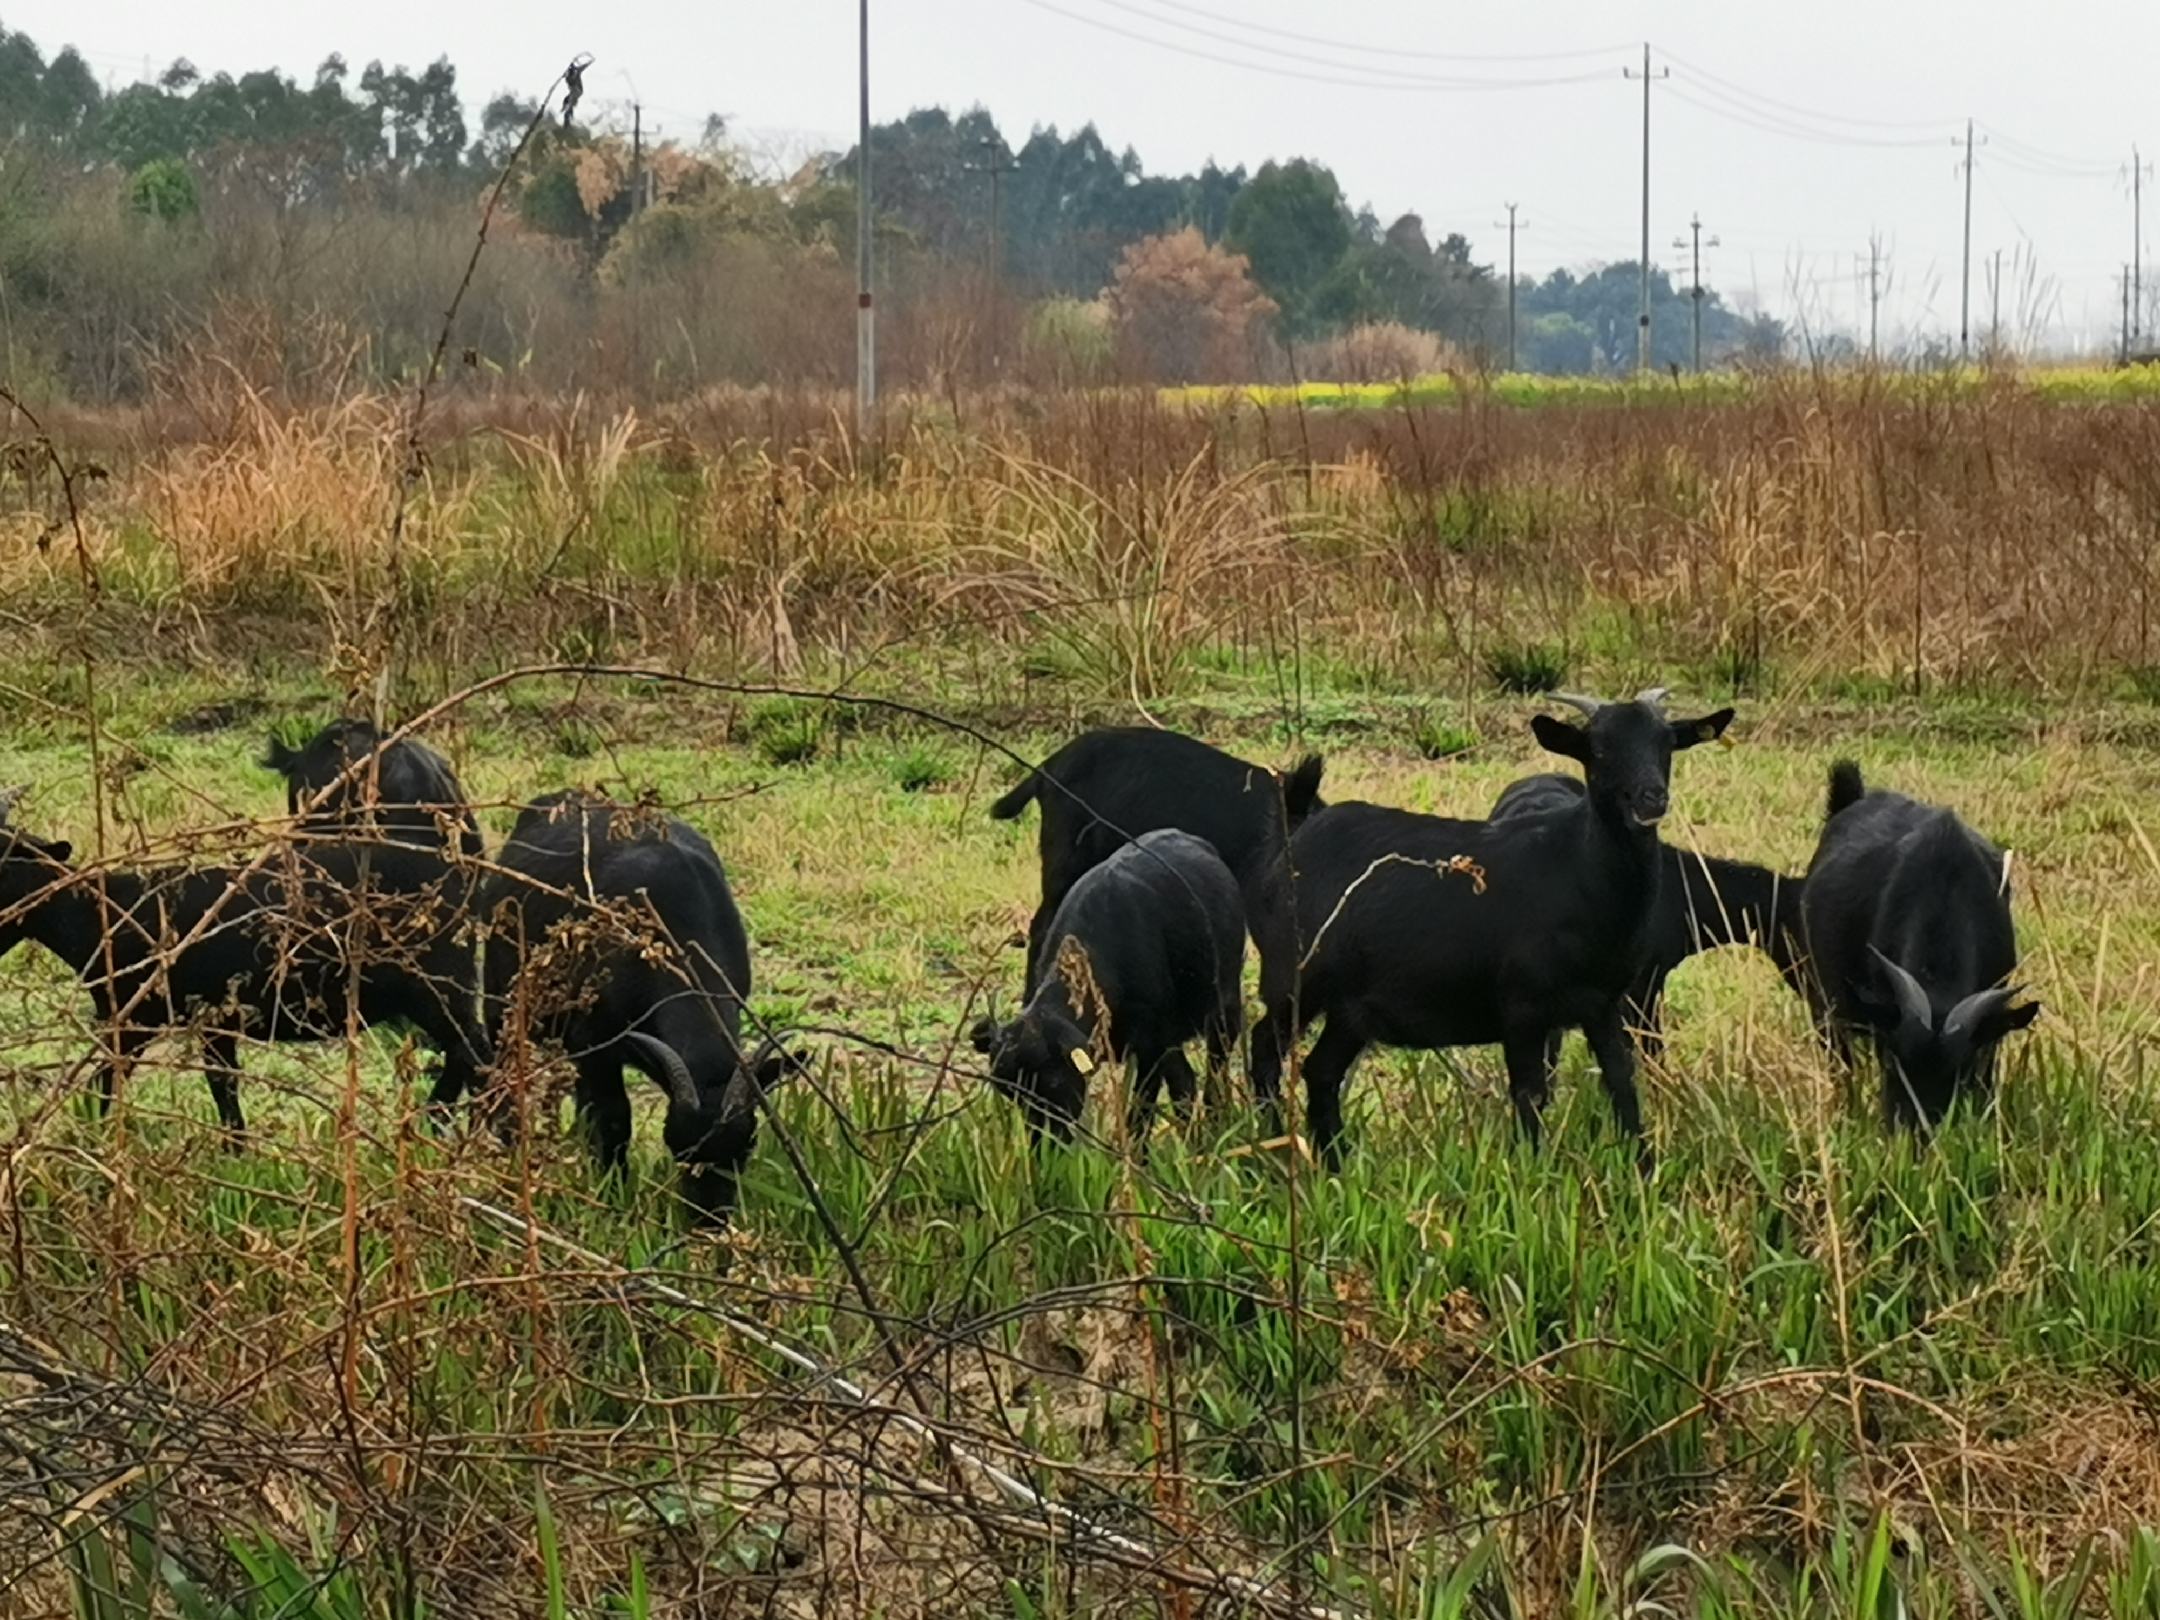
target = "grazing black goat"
x: 1703, y: 902
x: 615, y: 928
x: 278, y: 952
x: 1113, y: 784
x: 416, y: 797
x: 1906, y: 914
x: 1424, y: 932
x: 1144, y: 952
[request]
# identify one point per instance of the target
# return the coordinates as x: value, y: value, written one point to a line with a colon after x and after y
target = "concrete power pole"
x: 2122, y: 353
x: 865, y: 316
x: 637, y: 158
x: 1874, y: 297
x: 1695, y: 232
x: 1965, y: 283
x: 1642, y: 320
x: 995, y: 251
x: 1995, y: 305
x: 2138, y: 172
x: 1513, y: 225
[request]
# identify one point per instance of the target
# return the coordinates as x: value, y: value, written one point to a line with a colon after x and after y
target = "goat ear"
x: 772, y: 1063
x: 1705, y: 728
x: 1558, y: 736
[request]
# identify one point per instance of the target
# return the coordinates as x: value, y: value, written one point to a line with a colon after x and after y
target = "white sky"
x: 2065, y: 89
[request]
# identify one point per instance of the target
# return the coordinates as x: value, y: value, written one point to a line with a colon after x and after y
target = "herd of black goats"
x: 607, y: 932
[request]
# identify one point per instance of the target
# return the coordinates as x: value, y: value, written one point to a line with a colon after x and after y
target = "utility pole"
x: 637, y: 158
x: 865, y: 317
x: 1874, y: 296
x: 2122, y: 353
x: 1513, y: 225
x: 1965, y: 284
x: 1995, y: 306
x: 2137, y: 244
x: 1695, y: 231
x: 996, y: 249
x: 1642, y: 320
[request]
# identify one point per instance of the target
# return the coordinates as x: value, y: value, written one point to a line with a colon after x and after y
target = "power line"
x: 1392, y: 51
x: 1742, y: 92
x: 2040, y: 154
x: 1417, y: 80
x: 1463, y: 84
x: 1728, y: 107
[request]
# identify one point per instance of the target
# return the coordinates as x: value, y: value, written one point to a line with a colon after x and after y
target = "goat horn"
x: 1575, y: 700
x: 9, y: 797
x: 1655, y: 696
x: 672, y: 1073
x: 1911, y: 999
x: 1968, y: 1013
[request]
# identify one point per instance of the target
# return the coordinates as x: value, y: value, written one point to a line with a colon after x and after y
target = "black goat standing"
x: 1702, y: 902
x: 614, y: 928
x: 282, y: 951
x: 1113, y: 784
x: 1910, y: 944
x: 1144, y: 953
x: 407, y: 791
x: 1543, y: 924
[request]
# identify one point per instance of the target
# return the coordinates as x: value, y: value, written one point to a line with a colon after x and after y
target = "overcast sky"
x: 1794, y: 129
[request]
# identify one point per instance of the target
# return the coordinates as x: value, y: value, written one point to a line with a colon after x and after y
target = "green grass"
x: 1802, y: 1370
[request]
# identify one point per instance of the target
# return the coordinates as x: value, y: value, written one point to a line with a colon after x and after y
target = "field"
x: 356, y: 1369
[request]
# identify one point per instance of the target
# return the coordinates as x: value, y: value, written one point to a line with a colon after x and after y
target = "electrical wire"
x: 1413, y: 80
x: 2041, y: 156
x: 1741, y: 92
x: 1391, y: 51
x: 1774, y: 124
x: 1437, y: 84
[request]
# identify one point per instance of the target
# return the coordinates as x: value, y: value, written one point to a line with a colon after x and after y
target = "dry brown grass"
x: 1957, y: 538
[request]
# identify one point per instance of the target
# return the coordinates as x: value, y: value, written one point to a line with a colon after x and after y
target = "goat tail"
x: 1017, y: 799
x: 1846, y: 786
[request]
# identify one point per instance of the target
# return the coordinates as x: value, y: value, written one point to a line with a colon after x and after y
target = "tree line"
x: 312, y: 227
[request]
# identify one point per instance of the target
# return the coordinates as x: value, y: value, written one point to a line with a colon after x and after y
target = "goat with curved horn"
x: 1912, y: 1001
x: 672, y: 1073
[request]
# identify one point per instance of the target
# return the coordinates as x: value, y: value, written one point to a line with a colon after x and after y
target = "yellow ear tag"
x: 1725, y: 740
x: 1083, y: 1060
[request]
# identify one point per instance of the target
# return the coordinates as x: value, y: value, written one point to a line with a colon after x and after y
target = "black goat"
x: 416, y: 796
x: 1144, y: 952
x: 274, y: 952
x: 1544, y: 923
x: 1702, y: 902
x: 1910, y: 942
x: 1113, y: 784
x: 615, y: 927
